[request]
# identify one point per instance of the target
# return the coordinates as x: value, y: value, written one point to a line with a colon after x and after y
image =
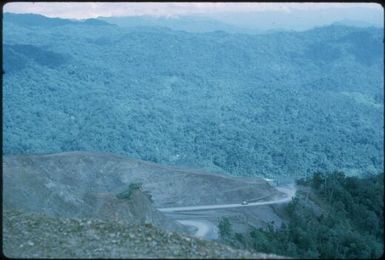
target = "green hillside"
x: 285, y: 103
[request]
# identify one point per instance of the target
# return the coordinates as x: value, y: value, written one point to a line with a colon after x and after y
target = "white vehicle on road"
x: 289, y: 191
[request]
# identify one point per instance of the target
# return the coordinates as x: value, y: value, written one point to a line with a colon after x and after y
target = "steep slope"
x: 75, y: 178
x: 80, y: 198
x: 99, y: 185
x: 76, y: 192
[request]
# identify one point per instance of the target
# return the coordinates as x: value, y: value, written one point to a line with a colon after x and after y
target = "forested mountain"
x: 280, y: 103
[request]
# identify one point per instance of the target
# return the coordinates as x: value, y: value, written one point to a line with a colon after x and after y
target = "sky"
x: 82, y: 10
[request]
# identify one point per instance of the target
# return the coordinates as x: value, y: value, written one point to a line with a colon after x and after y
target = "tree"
x: 224, y: 227
x: 130, y: 190
x: 317, y: 180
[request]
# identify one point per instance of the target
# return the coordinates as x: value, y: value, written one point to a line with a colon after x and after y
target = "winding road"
x: 204, y: 227
x: 289, y: 195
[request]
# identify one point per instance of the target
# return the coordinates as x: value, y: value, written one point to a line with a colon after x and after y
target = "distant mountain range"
x: 33, y: 20
x: 301, y: 19
x: 355, y: 23
x: 253, y: 23
x: 184, y: 23
x: 260, y: 23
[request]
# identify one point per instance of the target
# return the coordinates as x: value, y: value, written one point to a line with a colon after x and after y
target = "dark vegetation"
x: 135, y: 186
x: 224, y: 227
x: 347, y: 221
x: 130, y: 190
x: 281, y: 103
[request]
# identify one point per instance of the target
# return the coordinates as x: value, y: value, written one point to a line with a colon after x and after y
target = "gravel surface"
x: 27, y: 235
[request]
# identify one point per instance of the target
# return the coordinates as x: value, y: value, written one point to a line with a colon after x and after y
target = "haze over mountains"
x: 284, y: 103
x: 255, y: 22
x: 302, y: 19
x: 201, y: 24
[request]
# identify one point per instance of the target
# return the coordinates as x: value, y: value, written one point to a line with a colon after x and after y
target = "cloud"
x: 81, y: 10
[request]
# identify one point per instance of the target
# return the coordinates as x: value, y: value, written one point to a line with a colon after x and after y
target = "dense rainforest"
x: 284, y: 103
